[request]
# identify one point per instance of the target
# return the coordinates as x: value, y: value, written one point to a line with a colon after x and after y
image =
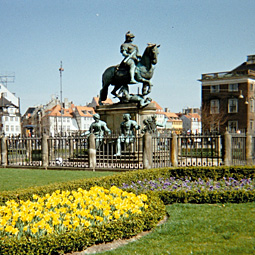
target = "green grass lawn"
x: 199, y: 229
x: 11, y: 179
x: 190, y: 229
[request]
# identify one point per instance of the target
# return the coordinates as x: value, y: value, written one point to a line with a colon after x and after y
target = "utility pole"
x: 61, y: 69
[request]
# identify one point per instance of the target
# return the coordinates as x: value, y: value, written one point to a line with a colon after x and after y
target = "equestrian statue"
x: 133, y: 69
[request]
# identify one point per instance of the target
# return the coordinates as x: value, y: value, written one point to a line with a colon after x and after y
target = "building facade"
x: 10, y: 118
x: 191, y: 123
x: 228, y: 99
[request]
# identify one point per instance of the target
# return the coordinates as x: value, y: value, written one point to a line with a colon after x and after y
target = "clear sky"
x: 196, y: 36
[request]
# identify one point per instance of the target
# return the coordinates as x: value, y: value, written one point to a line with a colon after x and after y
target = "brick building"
x: 228, y: 99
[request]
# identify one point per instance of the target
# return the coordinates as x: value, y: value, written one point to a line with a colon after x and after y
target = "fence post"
x: 45, y: 156
x: 147, y: 151
x: 227, y: 149
x: 29, y: 149
x: 92, y: 152
x: 218, y: 146
x: 248, y: 149
x: 4, y: 151
x: 174, y: 150
x: 71, y: 148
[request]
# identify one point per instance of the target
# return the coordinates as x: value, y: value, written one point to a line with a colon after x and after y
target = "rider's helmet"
x: 129, y: 35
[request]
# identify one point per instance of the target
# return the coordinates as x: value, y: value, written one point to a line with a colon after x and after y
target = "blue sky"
x: 196, y: 36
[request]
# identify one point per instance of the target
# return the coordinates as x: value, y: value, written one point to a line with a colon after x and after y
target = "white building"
x: 192, y: 123
x: 9, y: 113
x: 53, y: 122
x: 84, y: 117
x: 11, y: 97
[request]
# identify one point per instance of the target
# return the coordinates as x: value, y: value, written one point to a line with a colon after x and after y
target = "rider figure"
x: 130, y: 54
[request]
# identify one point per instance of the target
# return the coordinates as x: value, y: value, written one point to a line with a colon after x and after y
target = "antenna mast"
x: 7, y: 78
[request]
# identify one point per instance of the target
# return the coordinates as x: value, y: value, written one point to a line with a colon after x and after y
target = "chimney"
x: 66, y: 104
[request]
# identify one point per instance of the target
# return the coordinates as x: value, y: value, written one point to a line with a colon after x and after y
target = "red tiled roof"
x: 159, y: 108
x: 85, y: 111
x: 193, y: 115
x: 55, y: 111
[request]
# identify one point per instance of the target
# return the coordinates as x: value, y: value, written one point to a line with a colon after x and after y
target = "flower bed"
x: 185, y: 190
x: 25, y: 226
x: 186, y: 184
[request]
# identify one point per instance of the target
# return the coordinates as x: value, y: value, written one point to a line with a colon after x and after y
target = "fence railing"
x: 141, y: 151
x: 161, y: 149
x: 24, y: 151
x: 200, y: 150
x: 239, y: 149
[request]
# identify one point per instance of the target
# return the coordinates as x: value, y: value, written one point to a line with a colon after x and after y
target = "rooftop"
x: 245, y: 69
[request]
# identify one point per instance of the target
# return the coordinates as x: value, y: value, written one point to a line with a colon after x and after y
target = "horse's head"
x: 152, y: 50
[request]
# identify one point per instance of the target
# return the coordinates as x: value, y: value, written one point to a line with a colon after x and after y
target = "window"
x: 251, y: 87
x: 232, y: 126
x: 215, y: 88
x: 233, y: 105
x: 17, y: 128
x: 252, y: 106
x: 233, y: 87
x: 7, y: 128
x: 251, y: 125
x: 6, y: 118
x: 214, y: 106
x: 12, y: 128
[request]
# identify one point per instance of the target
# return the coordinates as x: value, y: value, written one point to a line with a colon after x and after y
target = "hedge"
x: 195, y: 173
x: 80, y: 240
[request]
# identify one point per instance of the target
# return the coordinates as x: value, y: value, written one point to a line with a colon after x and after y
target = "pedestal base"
x: 113, y: 114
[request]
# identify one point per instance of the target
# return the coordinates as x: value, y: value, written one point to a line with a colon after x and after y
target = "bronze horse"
x: 119, y: 76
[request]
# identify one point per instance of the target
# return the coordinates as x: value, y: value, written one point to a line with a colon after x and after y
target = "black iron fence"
x: 239, y: 149
x: 24, y: 151
x: 200, y: 150
x: 114, y: 152
x: 161, y: 150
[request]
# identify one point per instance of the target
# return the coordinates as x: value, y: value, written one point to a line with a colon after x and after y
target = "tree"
x: 213, y: 120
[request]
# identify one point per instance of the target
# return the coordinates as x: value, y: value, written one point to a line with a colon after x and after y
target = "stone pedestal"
x: 113, y: 114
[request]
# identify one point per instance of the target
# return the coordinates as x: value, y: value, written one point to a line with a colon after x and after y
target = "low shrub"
x: 214, y: 173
